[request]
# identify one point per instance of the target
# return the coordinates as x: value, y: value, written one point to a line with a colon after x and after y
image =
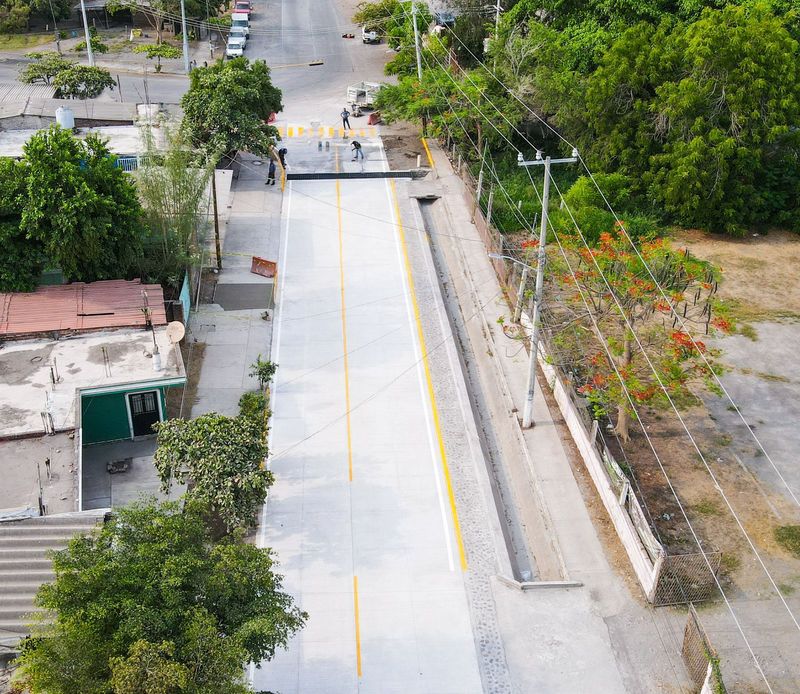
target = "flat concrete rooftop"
x: 47, y: 460
x: 91, y: 361
x: 122, y: 139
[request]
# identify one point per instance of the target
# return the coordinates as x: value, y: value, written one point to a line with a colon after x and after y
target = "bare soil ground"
x: 403, y: 145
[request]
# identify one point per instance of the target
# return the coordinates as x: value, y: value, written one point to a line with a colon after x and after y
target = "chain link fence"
x: 699, y: 656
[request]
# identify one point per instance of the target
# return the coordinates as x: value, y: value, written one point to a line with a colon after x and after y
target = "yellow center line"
x: 434, y: 409
x: 344, y: 324
x: 428, y: 152
x: 358, y: 625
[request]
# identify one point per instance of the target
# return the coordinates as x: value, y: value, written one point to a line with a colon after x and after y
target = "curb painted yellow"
x: 428, y: 152
x: 431, y: 394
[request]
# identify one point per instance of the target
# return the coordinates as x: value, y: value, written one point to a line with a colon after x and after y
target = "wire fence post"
x: 489, y: 207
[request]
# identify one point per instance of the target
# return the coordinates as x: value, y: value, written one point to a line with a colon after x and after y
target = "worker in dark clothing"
x: 357, y: 151
x: 345, y: 118
x: 271, y: 173
x: 282, y: 156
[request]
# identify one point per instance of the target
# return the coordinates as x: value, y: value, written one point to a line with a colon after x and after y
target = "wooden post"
x: 216, y: 217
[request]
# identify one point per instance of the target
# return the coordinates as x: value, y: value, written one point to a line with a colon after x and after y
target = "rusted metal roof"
x: 80, y: 307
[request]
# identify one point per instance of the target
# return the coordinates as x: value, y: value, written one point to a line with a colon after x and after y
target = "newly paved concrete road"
x: 360, y: 515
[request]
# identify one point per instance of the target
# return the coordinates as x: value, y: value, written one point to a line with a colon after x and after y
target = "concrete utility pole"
x: 87, y: 35
x: 416, y: 40
x: 185, y: 38
x: 527, y: 415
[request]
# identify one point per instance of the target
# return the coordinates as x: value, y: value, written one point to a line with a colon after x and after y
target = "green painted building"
x: 115, y: 413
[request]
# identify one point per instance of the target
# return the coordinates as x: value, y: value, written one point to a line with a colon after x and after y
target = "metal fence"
x: 676, y: 578
x: 686, y: 578
x: 702, y: 662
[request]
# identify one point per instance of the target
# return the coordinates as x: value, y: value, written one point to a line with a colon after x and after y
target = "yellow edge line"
x: 436, y: 422
x: 358, y: 626
x: 428, y: 152
x: 344, y: 325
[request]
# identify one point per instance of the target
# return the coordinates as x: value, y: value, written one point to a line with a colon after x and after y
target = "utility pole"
x: 527, y: 414
x: 216, y: 217
x: 416, y: 39
x: 497, y: 18
x: 87, y: 35
x: 185, y: 38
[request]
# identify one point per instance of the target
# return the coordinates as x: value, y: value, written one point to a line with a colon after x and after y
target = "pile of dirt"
x: 403, y: 144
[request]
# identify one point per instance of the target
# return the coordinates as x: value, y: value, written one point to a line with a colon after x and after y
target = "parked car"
x: 369, y: 36
x: 235, y: 47
x: 239, y: 33
x: 243, y: 6
x: 240, y: 21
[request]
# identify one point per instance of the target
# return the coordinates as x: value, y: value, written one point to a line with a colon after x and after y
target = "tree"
x: 228, y: 105
x: 263, y: 370
x: 149, y: 603
x: 172, y: 184
x: 21, y: 262
x: 48, y: 64
x: 97, y: 45
x: 222, y: 461
x: 158, y: 51
x: 82, y: 82
x: 702, y: 114
x: 583, y: 337
x: 79, y: 208
x: 149, y: 668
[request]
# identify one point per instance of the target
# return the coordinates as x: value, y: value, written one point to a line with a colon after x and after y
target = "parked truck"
x: 363, y: 94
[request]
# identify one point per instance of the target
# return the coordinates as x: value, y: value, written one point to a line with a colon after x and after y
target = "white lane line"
x: 435, y: 462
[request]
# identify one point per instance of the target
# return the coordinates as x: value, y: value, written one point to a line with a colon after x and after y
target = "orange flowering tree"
x: 603, y: 303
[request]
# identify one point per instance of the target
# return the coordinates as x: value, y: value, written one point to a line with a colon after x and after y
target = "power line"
x: 676, y: 316
x: 672, y: 403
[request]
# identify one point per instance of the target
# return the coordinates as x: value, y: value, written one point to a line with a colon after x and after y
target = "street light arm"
x: 500, y: 256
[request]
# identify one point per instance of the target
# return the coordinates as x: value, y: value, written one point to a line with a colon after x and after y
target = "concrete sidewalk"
x: 599, y: 637
x: 231, y: 331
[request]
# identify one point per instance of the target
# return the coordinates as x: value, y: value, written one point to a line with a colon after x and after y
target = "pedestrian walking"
x: 357, y: 151
x: 282, y: 156
x: 271, y: 173
x: 345, y: 118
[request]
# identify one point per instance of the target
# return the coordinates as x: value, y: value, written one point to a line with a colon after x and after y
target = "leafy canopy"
x: 222, y: 460
x: 79, y: 208
x: 66, y: 205
x: 228, y: 105
x: 149, y: 603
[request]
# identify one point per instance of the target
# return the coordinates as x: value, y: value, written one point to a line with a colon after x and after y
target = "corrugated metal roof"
x: 80, y: 307
x: 87, y: 109
x: 19, y: 91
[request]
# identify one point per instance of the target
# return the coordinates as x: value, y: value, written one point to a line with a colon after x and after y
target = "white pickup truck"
x: 235, y: 47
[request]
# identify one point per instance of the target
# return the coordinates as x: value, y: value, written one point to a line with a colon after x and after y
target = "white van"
x: 239, y: 20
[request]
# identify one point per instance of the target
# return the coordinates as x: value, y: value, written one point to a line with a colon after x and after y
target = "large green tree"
x: 228, y: 105
x: 79, y: 208
x: 222, y: 461
x: 150, y: 603
x: 705, y: 114
x: 21, y: 261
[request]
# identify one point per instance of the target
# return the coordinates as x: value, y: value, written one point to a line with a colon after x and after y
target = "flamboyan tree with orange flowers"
x: 603, y: 311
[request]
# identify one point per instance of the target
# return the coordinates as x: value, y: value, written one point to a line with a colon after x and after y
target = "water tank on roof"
x: 65, y: 118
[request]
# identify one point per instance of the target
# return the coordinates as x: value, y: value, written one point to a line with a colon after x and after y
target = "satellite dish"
x: 175, y: 332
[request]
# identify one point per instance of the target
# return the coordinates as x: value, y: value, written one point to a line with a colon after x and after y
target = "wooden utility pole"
x: 216, y: 217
